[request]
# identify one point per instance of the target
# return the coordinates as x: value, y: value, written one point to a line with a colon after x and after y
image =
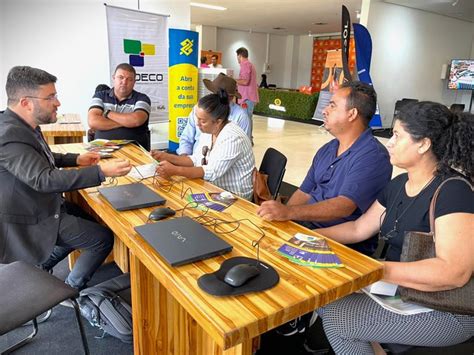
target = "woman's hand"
x: 158, y: 155
x: 165, y: 169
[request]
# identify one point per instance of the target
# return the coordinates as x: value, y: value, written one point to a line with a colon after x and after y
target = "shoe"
x: 67, y: 303
x: 315, y: 340
x: 297, y: 325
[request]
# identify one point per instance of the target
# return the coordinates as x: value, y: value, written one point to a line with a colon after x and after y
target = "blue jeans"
x: 250, y: 107
x: 77, y: 230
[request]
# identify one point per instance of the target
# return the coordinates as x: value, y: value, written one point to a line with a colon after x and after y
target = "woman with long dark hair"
x: 224, y: 155
x: 431, y: 143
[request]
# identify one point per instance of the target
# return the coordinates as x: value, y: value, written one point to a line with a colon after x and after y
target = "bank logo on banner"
x: 186, y: 47
x: 137, y: 51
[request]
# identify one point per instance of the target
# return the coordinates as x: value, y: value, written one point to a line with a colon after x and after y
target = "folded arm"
x: 128, y: 120
x: 97, y: 121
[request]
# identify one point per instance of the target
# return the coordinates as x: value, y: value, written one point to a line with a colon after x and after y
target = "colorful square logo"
x: 137, y: 51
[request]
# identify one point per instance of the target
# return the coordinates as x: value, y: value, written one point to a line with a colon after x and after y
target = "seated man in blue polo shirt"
x: 121, y: 112
x: 190, y: 135
x: 346, y: 174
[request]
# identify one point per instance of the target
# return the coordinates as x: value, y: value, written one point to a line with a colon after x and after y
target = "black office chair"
x: 27, y: 292
x: 399, y: 105
x: 273, y: 164
x: 457, y: 108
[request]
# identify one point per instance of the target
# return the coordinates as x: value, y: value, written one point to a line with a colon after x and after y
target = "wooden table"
x: 68, y: 129
x: 172, y: 315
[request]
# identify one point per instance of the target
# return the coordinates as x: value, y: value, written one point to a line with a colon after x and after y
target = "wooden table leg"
x: 162, y: 326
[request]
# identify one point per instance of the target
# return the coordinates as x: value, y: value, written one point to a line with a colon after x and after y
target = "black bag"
x: 419, y: 246
x: 108, y: 307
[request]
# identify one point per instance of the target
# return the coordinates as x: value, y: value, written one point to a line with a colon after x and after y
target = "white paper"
x: 143, y: 171
x: 396, y: 305
x: 383, y: 288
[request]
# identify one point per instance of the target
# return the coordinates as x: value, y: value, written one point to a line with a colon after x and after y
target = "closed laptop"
x: 182, y: 240
x: 131, y: 196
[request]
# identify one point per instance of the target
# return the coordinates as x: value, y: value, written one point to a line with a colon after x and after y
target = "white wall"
x: 409, y: 48
x: 209, y: 38
x: 290, y: 56
x: 228, y: 41
x: 279, y: 57
x: 68, y: 38
x: 305, y: 61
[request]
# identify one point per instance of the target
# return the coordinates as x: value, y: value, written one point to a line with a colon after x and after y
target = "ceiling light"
x: 207, y: 6
x: 358, y: 13
x: 454, y: 3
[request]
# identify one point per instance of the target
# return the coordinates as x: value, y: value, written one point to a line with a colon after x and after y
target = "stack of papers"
x: 396, y: 305
x: 106, y: 143
x: 309, y: 250
x: 215, y: 200
x: 68, y: 119
x: 106, y: 147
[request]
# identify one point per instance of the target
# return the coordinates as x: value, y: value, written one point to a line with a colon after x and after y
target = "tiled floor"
x: 298, y: 141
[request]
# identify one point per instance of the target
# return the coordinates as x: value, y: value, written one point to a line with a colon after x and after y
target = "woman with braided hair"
x: 224, y: 155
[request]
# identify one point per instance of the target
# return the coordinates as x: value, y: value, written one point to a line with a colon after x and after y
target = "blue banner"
x: 363, y: 46
x: 183, y: 81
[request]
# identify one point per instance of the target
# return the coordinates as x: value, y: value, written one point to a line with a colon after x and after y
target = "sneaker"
x: 297, y: 325
x: 67, y: 303
x: 290, y: 328
x: 315, y: 341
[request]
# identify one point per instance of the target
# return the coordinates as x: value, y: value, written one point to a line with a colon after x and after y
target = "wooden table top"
x: 230, y: 320
x: 68, y: 125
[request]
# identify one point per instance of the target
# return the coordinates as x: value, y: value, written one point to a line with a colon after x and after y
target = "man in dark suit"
x: 36, y: 225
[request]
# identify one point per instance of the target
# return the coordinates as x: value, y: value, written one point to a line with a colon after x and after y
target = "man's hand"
x: 87, y: 159
x: 116, y: 167
x: 165, y: 169
x: 273, y: 211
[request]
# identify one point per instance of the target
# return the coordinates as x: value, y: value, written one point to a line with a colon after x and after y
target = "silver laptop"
x: 131, y: 196
x: 182, y: 240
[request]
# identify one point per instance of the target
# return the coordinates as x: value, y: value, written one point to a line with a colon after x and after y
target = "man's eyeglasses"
x: 49, y: 98
x: 205, y: 150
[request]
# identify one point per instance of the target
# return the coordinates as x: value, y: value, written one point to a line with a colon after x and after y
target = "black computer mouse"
x: 240, y: 274
x: 160, y: 213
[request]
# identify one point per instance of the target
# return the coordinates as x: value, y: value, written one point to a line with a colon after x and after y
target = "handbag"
x: 261, y: 192
x: 421, y: 245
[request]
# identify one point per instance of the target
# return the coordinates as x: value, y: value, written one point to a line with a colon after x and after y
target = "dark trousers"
x: 77, y: 230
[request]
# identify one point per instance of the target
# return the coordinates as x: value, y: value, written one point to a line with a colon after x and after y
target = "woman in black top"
x: 428, y: 141
x: 263, y: 83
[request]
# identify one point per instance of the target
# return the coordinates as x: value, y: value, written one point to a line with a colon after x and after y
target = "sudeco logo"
x: 137, y: 51
x: 186, y: 47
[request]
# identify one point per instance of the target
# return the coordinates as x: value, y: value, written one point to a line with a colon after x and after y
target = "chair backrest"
x: 273, y: 164
x: 399, y: 105
x: 457, y: 108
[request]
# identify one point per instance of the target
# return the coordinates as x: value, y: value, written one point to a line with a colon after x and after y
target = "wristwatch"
x: 106, y: 113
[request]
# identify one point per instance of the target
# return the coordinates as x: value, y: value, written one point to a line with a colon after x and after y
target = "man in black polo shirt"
x: 121, y: 112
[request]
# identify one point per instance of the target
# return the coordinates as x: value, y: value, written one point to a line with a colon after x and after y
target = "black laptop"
x: 131, y: 196
x: 182, y: 240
